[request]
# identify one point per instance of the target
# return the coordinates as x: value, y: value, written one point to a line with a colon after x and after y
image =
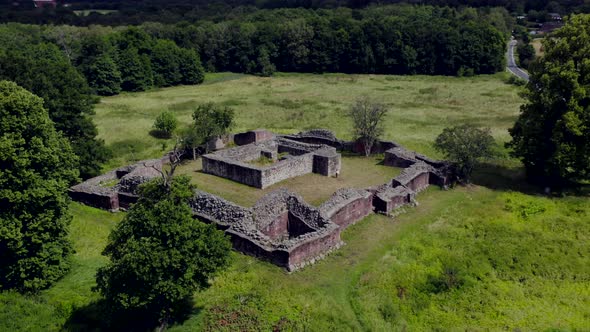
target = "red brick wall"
x: 314, y: 248
x: 278, y: 227
x: 420, y: 182
x: 353, y: 212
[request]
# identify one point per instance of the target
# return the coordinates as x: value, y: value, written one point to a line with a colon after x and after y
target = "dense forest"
x: 114, y: 12
x: 388, y: 40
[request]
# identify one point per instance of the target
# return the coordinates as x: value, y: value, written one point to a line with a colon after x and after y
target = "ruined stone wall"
x: 310, y: 251
x: 102, y: 200
x: 286, y: 169
x: 309, y: 214
x: 317, y: 136
x: 347, y: 206
x: 326, y: 162
x: 218, y: 210
x: 253, y: 136
x: 416, y: 177
x: 388, y: 198
x: 235, y: 171
x: 248, y: 246
x: 277, y: 228
x: 379, y: 147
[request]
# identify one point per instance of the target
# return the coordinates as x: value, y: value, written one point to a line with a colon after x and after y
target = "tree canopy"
x: 159, y: 255
x: 45, y: 71
x: 552, y: 133
x: 36, y: 166
x: 465, y: 145
x: 209, y: 121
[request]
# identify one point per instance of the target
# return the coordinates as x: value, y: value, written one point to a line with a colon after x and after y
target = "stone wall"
x: 310, y: 251
x: 116, y: 189
x: 233, y: 170
x: 346, y: 206
x: 317, y: 136
x: 388, y: 199
x: 416, y: 177
x: 302, y: 159
x: 286, y: 169
x: 218, y: 210
x: 326, y: 162
x: 254, y: 136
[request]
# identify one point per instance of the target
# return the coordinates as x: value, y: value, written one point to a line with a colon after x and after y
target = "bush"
x: 165, y: 125
x: 465, y: 145
x: 515, y: 81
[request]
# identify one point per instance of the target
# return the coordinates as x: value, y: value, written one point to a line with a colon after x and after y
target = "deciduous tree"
x: 465, y: 145
x: 209, y: 121
x: 159, y: 254
x: 552, y: 133
x: 43, y: 70
x: 36, y: 166
x: 165, y: 124
x: 367, y: 122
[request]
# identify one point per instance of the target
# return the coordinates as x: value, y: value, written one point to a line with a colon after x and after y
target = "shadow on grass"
x: 159, y: 134
x: 97, y: 316
x: 499, y: 177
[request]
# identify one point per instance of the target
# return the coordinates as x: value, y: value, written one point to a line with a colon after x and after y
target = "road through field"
x: 512, y: 67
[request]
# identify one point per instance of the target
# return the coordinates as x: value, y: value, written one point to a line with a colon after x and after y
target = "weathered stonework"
x: 303, y: 158
x: 116, y: 189
x: 281, y: 227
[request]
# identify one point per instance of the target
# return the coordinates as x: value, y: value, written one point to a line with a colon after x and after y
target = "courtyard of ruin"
x: 356, y: 172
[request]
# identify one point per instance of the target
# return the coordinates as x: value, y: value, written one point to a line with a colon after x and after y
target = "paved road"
x: 512, y: 67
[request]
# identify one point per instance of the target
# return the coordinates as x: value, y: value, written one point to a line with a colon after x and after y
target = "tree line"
x: 384, y: 40
x: 126, y: 12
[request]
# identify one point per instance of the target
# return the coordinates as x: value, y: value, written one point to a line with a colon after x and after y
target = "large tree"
x: 43, y: 70
x: 36, y: 166
x: 159, y: 254
x: 552, y: 133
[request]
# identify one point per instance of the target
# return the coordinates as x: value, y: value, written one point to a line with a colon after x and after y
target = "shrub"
x: 165, y: 124
x: 465, y: 145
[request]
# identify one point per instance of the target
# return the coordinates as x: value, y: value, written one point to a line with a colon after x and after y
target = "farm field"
x: 490, y: 256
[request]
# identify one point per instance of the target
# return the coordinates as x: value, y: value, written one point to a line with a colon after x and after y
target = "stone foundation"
x: 302, y: 158
x: 281, y: 227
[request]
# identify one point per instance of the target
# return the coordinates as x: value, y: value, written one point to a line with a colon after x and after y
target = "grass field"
x: 488, y: 257
x: 421, y: 107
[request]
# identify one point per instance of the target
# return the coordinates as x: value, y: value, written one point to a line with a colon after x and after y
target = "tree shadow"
x: 160, y: 134
x: 98, y: 316
x: 506, y: 178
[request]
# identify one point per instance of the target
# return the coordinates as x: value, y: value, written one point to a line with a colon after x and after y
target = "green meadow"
x: 492, y: 256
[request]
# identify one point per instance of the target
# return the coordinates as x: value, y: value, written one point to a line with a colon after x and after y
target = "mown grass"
x: 420, y: 107
x: 491, y: 256
x: 357, y: 172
